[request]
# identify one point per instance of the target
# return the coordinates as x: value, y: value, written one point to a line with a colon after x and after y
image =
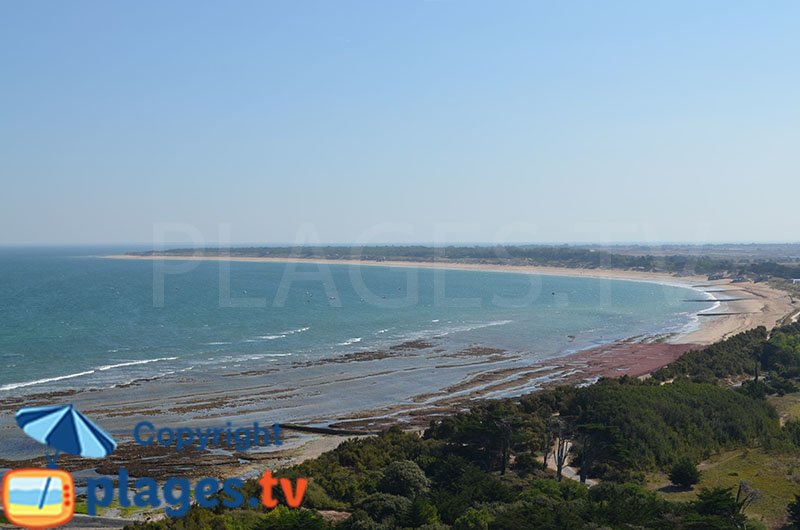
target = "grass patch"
x: 775, y: 476
x: 788, y: 406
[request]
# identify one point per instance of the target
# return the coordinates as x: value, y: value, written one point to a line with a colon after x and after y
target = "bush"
x: 684, y: 474
x: 421, y: 513
x: 380, y: 506
x: 474, y: 520
x: 318, y: 499
x: 360, y: 520
x: 792, y: 429
x: 626, y: 505
x: 718, y: 502
x: 404, y: 478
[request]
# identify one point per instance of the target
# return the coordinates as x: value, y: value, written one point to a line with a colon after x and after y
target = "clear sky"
x: 399, y: 121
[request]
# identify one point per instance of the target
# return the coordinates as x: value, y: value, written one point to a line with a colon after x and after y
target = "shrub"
x: 380, y: 506
x: 404, y: 478
x: 474, y: 520
x: 792, y: 429
x: 421, y: 512
x: 684, y: 474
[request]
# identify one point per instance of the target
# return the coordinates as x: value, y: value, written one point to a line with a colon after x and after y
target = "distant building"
x: 713, y: 277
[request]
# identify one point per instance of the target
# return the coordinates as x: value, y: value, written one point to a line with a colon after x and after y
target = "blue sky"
x: 399, y: 121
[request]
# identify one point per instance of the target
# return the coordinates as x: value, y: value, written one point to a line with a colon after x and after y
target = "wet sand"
x: 363, y: 396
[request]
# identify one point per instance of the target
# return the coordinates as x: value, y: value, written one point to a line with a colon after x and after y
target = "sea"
x: 71, y: 318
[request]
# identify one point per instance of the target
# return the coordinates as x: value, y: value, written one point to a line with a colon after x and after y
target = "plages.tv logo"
x: 45, y: 497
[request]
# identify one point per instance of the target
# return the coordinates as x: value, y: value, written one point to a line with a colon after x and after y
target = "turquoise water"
x: 69, y: 320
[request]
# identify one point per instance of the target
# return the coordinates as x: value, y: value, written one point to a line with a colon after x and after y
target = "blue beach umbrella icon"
x: 65, y: 430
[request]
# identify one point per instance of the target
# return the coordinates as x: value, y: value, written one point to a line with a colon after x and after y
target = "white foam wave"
x: 35, y: 382
x: 348, y: 342
x: 134, y: 363
x: 472, y: 327
x: 281, y: 335
x: 693, y: 323
x: 716, y: 305
x: 257, y: 356
x: 12, y: 386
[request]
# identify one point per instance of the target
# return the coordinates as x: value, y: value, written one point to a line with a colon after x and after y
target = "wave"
x: 236, y: 359
x: 281, y: 335
x: 716, y: 305
x: 254, y: 357
x: 133, y: 363
x: 216, y: 343
x: 493, y: 323
x: 692, y: 322
x: 348, y: 342
x: 35, y: 382
x: 13, y: 386
x: 472, y: 327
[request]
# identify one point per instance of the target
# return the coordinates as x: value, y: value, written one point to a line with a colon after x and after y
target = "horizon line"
x: 186, y: 245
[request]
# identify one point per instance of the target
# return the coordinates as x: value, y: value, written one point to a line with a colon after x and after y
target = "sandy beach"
x: 757, y: 304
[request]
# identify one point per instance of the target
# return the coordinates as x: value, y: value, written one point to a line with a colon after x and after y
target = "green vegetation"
x: 775, y: 475
x: 482, y: 469
x: 733, y: 357
x: 653, y: 426
x: 684, y: 474
x: 787, y: 405
x: 281, y: 518
x: 775, y: 357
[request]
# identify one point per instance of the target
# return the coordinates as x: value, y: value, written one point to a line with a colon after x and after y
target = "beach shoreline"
x: 757, y: 304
